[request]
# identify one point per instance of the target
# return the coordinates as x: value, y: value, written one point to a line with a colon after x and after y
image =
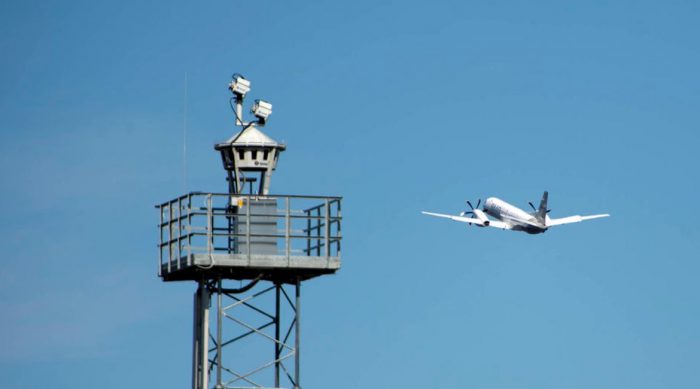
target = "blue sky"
x: 398, y: 106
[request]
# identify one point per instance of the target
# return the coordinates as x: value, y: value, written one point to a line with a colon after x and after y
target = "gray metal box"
x: 263, y: 221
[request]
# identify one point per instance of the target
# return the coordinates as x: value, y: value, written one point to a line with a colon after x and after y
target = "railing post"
x: 327, y: 230
x: 160, y: 244
x: 247, y: 232
x: 210, y: 225
x: 339, y: 222
x: 318, y: 231
x: 179, y: 232
x: 170, y: 235
x: 308, y: 232
x: 189, y: 229
x: 287, y: 226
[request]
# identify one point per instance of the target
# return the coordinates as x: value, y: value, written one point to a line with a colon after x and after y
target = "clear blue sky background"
x: 399, y: 106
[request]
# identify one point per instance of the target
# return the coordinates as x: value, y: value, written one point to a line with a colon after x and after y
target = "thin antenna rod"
x: 184, y: 138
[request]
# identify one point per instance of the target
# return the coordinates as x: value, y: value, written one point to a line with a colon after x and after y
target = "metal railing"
x: 221, y: 223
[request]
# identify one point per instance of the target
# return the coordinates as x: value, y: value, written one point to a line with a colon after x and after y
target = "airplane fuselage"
x: 518, y: 219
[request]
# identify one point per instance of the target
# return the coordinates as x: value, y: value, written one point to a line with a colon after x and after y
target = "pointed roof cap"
x: 251, y: 136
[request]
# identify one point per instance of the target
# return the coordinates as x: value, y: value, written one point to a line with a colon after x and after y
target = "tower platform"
x: 280, y: 238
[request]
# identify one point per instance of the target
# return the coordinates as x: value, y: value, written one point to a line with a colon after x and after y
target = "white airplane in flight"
x: 510, y: 217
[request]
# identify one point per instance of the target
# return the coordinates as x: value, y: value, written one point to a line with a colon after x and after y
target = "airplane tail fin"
x: 542, y: 210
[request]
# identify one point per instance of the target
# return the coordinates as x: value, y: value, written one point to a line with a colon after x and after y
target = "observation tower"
x: 249, y: 252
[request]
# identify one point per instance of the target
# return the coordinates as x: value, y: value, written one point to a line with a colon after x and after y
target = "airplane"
x: 510, y: 217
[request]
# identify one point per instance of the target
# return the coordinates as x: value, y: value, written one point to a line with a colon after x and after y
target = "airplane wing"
x: 463, y: 219
x: 573, y: 219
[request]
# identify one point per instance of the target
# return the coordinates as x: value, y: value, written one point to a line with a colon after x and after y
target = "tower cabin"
x: 248, y: 233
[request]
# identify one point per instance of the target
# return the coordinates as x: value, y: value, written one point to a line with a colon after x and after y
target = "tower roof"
x: 251, y: 136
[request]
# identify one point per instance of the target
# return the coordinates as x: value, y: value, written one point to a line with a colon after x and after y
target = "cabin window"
x: 255, y: 154
x: 265, y: 154
x: 241, y: 154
